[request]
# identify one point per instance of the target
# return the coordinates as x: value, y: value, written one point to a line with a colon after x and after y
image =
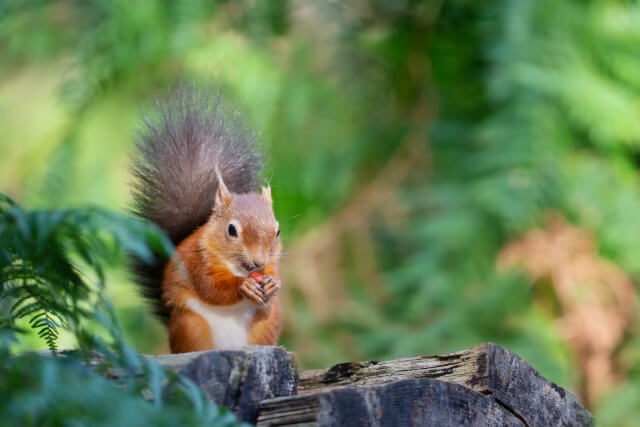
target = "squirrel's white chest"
x: 229, y: 324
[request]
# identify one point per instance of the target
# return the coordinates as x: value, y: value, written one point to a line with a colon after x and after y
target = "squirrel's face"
x: 244, y: 232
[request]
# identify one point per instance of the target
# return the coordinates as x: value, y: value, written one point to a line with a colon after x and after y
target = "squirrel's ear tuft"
x: 223, y: 196
x: 266, y: 194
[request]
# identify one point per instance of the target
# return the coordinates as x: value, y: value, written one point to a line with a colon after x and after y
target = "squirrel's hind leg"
x: 265, y: 328
x: 188, y: 331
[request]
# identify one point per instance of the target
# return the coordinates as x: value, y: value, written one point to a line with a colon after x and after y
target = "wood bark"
x: 238, y: 379
x: 490, y: 371
x: 415, y: 402
x: 484, y: 385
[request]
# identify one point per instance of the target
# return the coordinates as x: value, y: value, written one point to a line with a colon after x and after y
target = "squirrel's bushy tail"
x: 181, y: 141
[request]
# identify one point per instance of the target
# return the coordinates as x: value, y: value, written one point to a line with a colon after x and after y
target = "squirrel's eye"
x: 232, y: 230
x: 278, y: 233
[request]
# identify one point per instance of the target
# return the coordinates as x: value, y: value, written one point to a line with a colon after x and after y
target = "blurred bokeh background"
x: 445, y: 172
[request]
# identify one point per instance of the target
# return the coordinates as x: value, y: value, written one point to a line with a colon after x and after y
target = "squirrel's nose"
x: 258, y: 264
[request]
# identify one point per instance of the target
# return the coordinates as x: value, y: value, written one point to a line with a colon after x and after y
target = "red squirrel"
x: 196, y: 175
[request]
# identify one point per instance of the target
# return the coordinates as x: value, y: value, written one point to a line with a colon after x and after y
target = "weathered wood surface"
x: 518, y: 386
x: 468, y: 368
x: 238, y: 379
x: 484, y: 385
x: 493, y: 371
x: 415, y: 402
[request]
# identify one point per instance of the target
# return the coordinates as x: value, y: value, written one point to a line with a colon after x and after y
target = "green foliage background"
x: 515, y: 107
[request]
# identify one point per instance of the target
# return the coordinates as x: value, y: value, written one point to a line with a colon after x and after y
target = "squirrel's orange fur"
x: 212, y: 265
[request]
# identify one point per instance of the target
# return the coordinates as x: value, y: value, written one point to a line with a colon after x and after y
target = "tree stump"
x: 485, y: 385
x: 238, y: 379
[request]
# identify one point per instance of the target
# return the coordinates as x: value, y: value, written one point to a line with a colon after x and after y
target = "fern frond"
x: 47, y: 328
x: 52, y: 262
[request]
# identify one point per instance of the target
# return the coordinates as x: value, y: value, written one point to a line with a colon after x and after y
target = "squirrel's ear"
x: 223, y: 196
x: 266, y: 194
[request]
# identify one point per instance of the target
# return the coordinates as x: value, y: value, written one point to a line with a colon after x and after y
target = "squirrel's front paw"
x: 251, y: 289
x: 270, y: 286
